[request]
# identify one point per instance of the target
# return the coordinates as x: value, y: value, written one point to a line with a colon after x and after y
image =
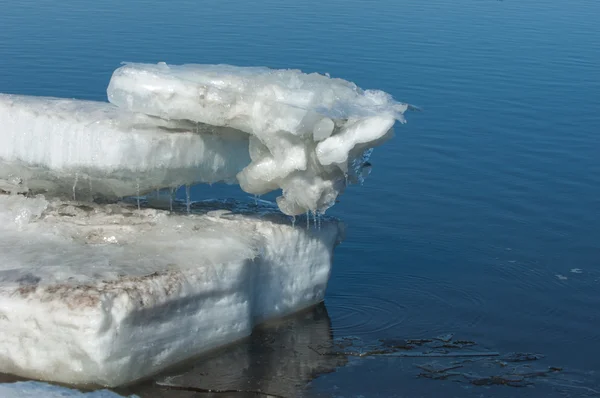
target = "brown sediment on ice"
x: 77, y: 296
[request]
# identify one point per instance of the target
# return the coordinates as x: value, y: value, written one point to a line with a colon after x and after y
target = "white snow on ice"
x: 90, y: 149
x: 308, y: 132
x: 107, y: 294
x: 34, y: 389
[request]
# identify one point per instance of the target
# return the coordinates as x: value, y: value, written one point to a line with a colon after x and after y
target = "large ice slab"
x: 94, y: 149
x: 107, y: 294
x: 310, y: 134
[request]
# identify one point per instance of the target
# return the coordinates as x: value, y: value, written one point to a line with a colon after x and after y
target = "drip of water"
x: 138, y: 193
x: 293, y: 221
x: 315, y: 218
x: 256, y: 200
x: 171, y: 199
x: 187, y: 198
x: 307, y: 219
x: 75, y: 185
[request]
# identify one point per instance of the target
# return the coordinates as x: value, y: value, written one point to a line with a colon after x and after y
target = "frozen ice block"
x: 108, y: 294
x: 88, y: 149
x: 310, y: 134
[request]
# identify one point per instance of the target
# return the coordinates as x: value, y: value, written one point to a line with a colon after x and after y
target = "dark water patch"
x: 461, y: 367
x: 293, y: 357
x: 380, y: 303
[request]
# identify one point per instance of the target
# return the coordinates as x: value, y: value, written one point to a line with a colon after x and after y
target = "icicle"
x: 187, y: 198
x: 171, y: 200
x: 75, y: 185
x: 318, y: 220
x: 256, y: 200
x: 293, y: 221
x: 307, y: 219
x: 138, y: 192
x: 315, y: 218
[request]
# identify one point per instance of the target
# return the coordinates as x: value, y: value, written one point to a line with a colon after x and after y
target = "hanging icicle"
x: 75, y: 186
x: 187, y: 199
x: 138, y: 193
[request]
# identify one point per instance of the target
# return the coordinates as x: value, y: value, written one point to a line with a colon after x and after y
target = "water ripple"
x: 376, y: 302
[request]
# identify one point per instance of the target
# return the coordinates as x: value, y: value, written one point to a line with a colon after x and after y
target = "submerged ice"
x: 33, y: 389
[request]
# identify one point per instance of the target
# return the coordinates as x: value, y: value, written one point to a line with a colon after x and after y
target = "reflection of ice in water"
x: 278, y: 359
x: 576, y: 270
x: 561, y: 277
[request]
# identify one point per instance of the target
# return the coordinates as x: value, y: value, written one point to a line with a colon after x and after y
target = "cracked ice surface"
x: 307, y: 131
x: 108, y: 294
x: 91, y: 149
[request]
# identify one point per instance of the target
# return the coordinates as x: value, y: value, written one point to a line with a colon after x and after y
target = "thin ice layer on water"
x: 34, y: 389
x: 86, y: 149
x: 307, y: 131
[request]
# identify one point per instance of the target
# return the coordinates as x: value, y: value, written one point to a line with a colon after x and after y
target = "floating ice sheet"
x: 107, y: 294
x: 88, y: 149
x: 308, y: 132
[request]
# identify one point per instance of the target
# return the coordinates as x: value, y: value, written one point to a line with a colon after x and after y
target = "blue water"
x: 481, y: 217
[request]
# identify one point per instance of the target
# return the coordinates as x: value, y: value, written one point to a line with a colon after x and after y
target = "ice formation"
x: 94, y: 290
x: 93, y: 149
x: 107, y: 294
x: 308, y: 132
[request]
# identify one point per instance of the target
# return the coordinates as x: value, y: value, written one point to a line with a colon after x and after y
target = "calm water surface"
x: 482, y: 216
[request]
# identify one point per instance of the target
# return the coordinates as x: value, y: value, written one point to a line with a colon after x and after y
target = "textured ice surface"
x: 34, y: 389
x: 107, y: 294
x: 308, y: 132
x: 91, y: 149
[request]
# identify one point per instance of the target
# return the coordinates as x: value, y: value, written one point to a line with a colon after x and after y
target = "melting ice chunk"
x: 305, y: 134
x: 108, y: 294
x: 306, y: 129
x: 88, y: 149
